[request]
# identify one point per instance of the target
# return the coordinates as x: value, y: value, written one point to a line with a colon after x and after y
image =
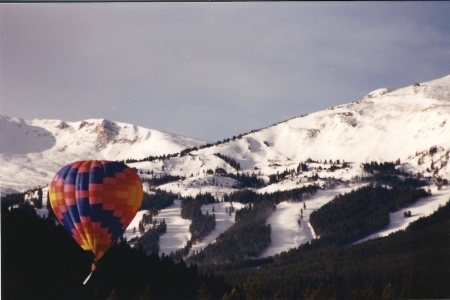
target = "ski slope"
x: 286, y: 233
x: 223, y: 222
x: 422, y: 208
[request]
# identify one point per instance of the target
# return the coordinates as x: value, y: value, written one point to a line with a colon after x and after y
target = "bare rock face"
x: 378, y: 93
x: 62, y: 125
x: 106, y: 131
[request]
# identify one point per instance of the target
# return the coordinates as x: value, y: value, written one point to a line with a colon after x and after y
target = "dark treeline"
x: 274, y: 178
x: 148, y: 242
x: 162, y: 180
x: 247, y: 180
x: 352, y: 216
x: 146, y: 219
x: 247, y: 196
x: 13, y: 199
x: 244, y: 180
x: 380, y: 167
x: 302, y: 167
x: 157, y: 200
x: 248, y: 237
x: 386, y: 173
x: 231, y: 161
x: 41, y: 261
x: 190, y: 206
x: 407, y: 182
x: 243, y: 196
x: 201, y: 225
x: 410, y: 264
x: 19, y: 198
x: 440, y: 216
x: 149, y: 158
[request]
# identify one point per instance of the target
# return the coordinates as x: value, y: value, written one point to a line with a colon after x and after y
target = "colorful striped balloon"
x: 95, y: 201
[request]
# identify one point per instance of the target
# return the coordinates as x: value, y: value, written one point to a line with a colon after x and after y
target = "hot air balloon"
x: 95, y: 201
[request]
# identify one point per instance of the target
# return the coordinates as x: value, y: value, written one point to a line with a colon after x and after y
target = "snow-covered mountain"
x: 32, y: 151
x: 383, y: 126
x: 410, y: 125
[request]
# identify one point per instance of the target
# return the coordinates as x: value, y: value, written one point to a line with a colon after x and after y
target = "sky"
x: 212, y: 70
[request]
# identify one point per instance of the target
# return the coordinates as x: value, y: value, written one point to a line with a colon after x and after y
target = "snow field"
x: 223, y: 222
x: 286, y: 233
x: 32, y: 151
x: 128, y: 233
x: 177, y: 234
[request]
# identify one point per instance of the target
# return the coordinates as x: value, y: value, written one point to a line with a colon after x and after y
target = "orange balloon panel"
x: 95, y: 201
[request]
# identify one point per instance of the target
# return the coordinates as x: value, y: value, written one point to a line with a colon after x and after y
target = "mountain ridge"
x: 50, y: 144
x: 385, y: 125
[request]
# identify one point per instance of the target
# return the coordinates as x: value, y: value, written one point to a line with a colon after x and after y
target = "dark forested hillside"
x: 407, y: 264
x: 41, y: 261
x: 249, y: 196
x: 201, y: 224
x: 157, y: 200
x: 359, y: 213
x: 247, y: 238
x: 149, y: 241
x: 155, y: 181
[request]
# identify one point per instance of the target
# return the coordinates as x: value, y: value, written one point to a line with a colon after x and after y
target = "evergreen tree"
x: 253, y: 289
x: 113, y: 295
x: 233, y: 295
x: 147, y: 295
x: 388, y: 292
x: 203, y: 292
x: 366, y: 294
x: 39, y: 201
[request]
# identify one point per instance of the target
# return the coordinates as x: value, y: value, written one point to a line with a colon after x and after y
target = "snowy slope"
x: 32, y: 151
x: 286, y: 232
x: 383, y: 126
x: 223, y: 222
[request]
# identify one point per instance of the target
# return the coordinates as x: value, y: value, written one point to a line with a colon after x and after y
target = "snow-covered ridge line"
x: 385, y: 125
x: 32, y: 151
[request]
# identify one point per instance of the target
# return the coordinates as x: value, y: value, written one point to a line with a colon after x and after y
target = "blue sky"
x: 212, y: 70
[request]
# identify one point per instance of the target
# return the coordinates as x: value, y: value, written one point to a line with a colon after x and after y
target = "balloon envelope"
x: 95, y: 201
